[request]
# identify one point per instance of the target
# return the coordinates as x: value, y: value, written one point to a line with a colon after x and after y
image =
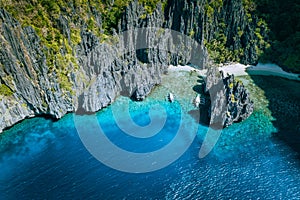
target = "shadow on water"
x: 284, y: 103
x: 200, y: 116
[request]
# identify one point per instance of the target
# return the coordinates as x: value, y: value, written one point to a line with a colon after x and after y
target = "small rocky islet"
x: 229, y: 100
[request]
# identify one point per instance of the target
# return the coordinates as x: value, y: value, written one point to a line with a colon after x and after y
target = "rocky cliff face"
x: 24, y: 71
x: 104, y: 70
x: 229, y: 101
x: 227, y: 27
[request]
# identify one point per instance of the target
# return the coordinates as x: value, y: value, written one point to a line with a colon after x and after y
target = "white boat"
x: 197, y: 101
x: 171, y: 97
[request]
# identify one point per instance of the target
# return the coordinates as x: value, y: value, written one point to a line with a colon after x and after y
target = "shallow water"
x: 41, y: 159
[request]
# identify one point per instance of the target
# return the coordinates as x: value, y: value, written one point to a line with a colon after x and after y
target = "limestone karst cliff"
x: 228, y: 100
x: 83, y: 67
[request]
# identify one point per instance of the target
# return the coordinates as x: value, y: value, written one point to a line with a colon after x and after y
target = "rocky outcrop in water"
x: 240, y: 106
x: 104, y: 70
x: 229, y: 100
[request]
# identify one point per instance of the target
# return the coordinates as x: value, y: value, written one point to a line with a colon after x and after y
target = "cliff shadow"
x: 284, y: 103
x: 200, y: 115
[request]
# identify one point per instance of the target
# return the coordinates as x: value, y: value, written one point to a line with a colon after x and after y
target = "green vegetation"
x: 43, y: 16
x: 249, y: 6
x: 211, y: 7
x: 280, y: 19
x: 232, y: 98
x: 112, y: 11
x: 5, y: 91
x: 220, y: 47
x: 24, y: 105
x: 149, y: 5
x: 283, y: 19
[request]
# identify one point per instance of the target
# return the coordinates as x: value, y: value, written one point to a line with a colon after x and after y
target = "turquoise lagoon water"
x: 42, y: 159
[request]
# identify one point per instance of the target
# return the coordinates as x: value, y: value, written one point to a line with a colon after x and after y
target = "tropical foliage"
x: 280, y: 18
x: 283, y: 19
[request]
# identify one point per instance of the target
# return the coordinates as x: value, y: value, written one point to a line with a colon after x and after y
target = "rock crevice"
x: 104, y: 70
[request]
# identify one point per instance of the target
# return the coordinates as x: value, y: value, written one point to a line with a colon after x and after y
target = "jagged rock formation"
x: 229, y: 100
x: 103, y: 70
x: 240, y: 106
x: 23, y: 70
x: 226, y: 21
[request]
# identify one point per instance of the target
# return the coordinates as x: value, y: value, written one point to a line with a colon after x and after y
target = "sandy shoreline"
x: 243, y: 70
x: 187, y: 68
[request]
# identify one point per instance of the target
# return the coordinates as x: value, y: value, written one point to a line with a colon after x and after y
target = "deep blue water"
x: 42, y: 159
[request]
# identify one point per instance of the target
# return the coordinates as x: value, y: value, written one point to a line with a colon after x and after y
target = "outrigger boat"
x: 199, y: 101
x: 171, y: 97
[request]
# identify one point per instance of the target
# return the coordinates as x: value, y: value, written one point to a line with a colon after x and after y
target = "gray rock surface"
x: 189, y: 17
x: 108, y: 69
x: 229, y: 100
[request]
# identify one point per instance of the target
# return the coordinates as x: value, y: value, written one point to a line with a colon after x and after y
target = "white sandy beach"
x: 187, y: 68
x: 242, y: 70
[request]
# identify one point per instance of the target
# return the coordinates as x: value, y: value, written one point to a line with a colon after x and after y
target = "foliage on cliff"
x: 228, y: 35
x: 5, y: 91
x: 101, y: 17
x: 46, y: 17
x: 283, y: 19
x: 59, y: 25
